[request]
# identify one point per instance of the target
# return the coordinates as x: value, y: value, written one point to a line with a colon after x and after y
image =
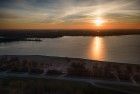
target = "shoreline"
x: 60, y: 33
x: 6, y: 39
x: 63, y: 58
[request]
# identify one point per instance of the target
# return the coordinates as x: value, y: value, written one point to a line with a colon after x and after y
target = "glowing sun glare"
x: 99, y: 21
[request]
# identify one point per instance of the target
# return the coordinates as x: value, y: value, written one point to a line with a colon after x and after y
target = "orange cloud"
x: 68, y: 26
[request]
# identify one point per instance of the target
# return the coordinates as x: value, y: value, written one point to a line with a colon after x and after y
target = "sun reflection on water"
x: 97, y: 49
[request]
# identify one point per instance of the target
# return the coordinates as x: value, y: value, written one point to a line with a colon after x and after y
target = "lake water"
x: 125, y: 49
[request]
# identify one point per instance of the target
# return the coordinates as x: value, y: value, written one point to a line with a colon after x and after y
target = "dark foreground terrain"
x: 14, y: 85
x: 75, y: 67
x: 33, y: 74
x: 22, y: 35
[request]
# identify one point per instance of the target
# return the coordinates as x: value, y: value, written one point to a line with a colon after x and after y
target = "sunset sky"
x: 69, y: 14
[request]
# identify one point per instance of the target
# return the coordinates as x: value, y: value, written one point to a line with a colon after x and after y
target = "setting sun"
x: 99, y: 21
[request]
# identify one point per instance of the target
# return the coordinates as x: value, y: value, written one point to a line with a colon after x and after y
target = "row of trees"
x: 14, y: 64
x: 106, y: 71
x: 111, y: 71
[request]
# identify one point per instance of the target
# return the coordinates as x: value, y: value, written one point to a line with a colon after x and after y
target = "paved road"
x: 91, y: 81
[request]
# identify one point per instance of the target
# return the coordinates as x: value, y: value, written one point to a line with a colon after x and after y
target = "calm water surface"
x: 125, y: 49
